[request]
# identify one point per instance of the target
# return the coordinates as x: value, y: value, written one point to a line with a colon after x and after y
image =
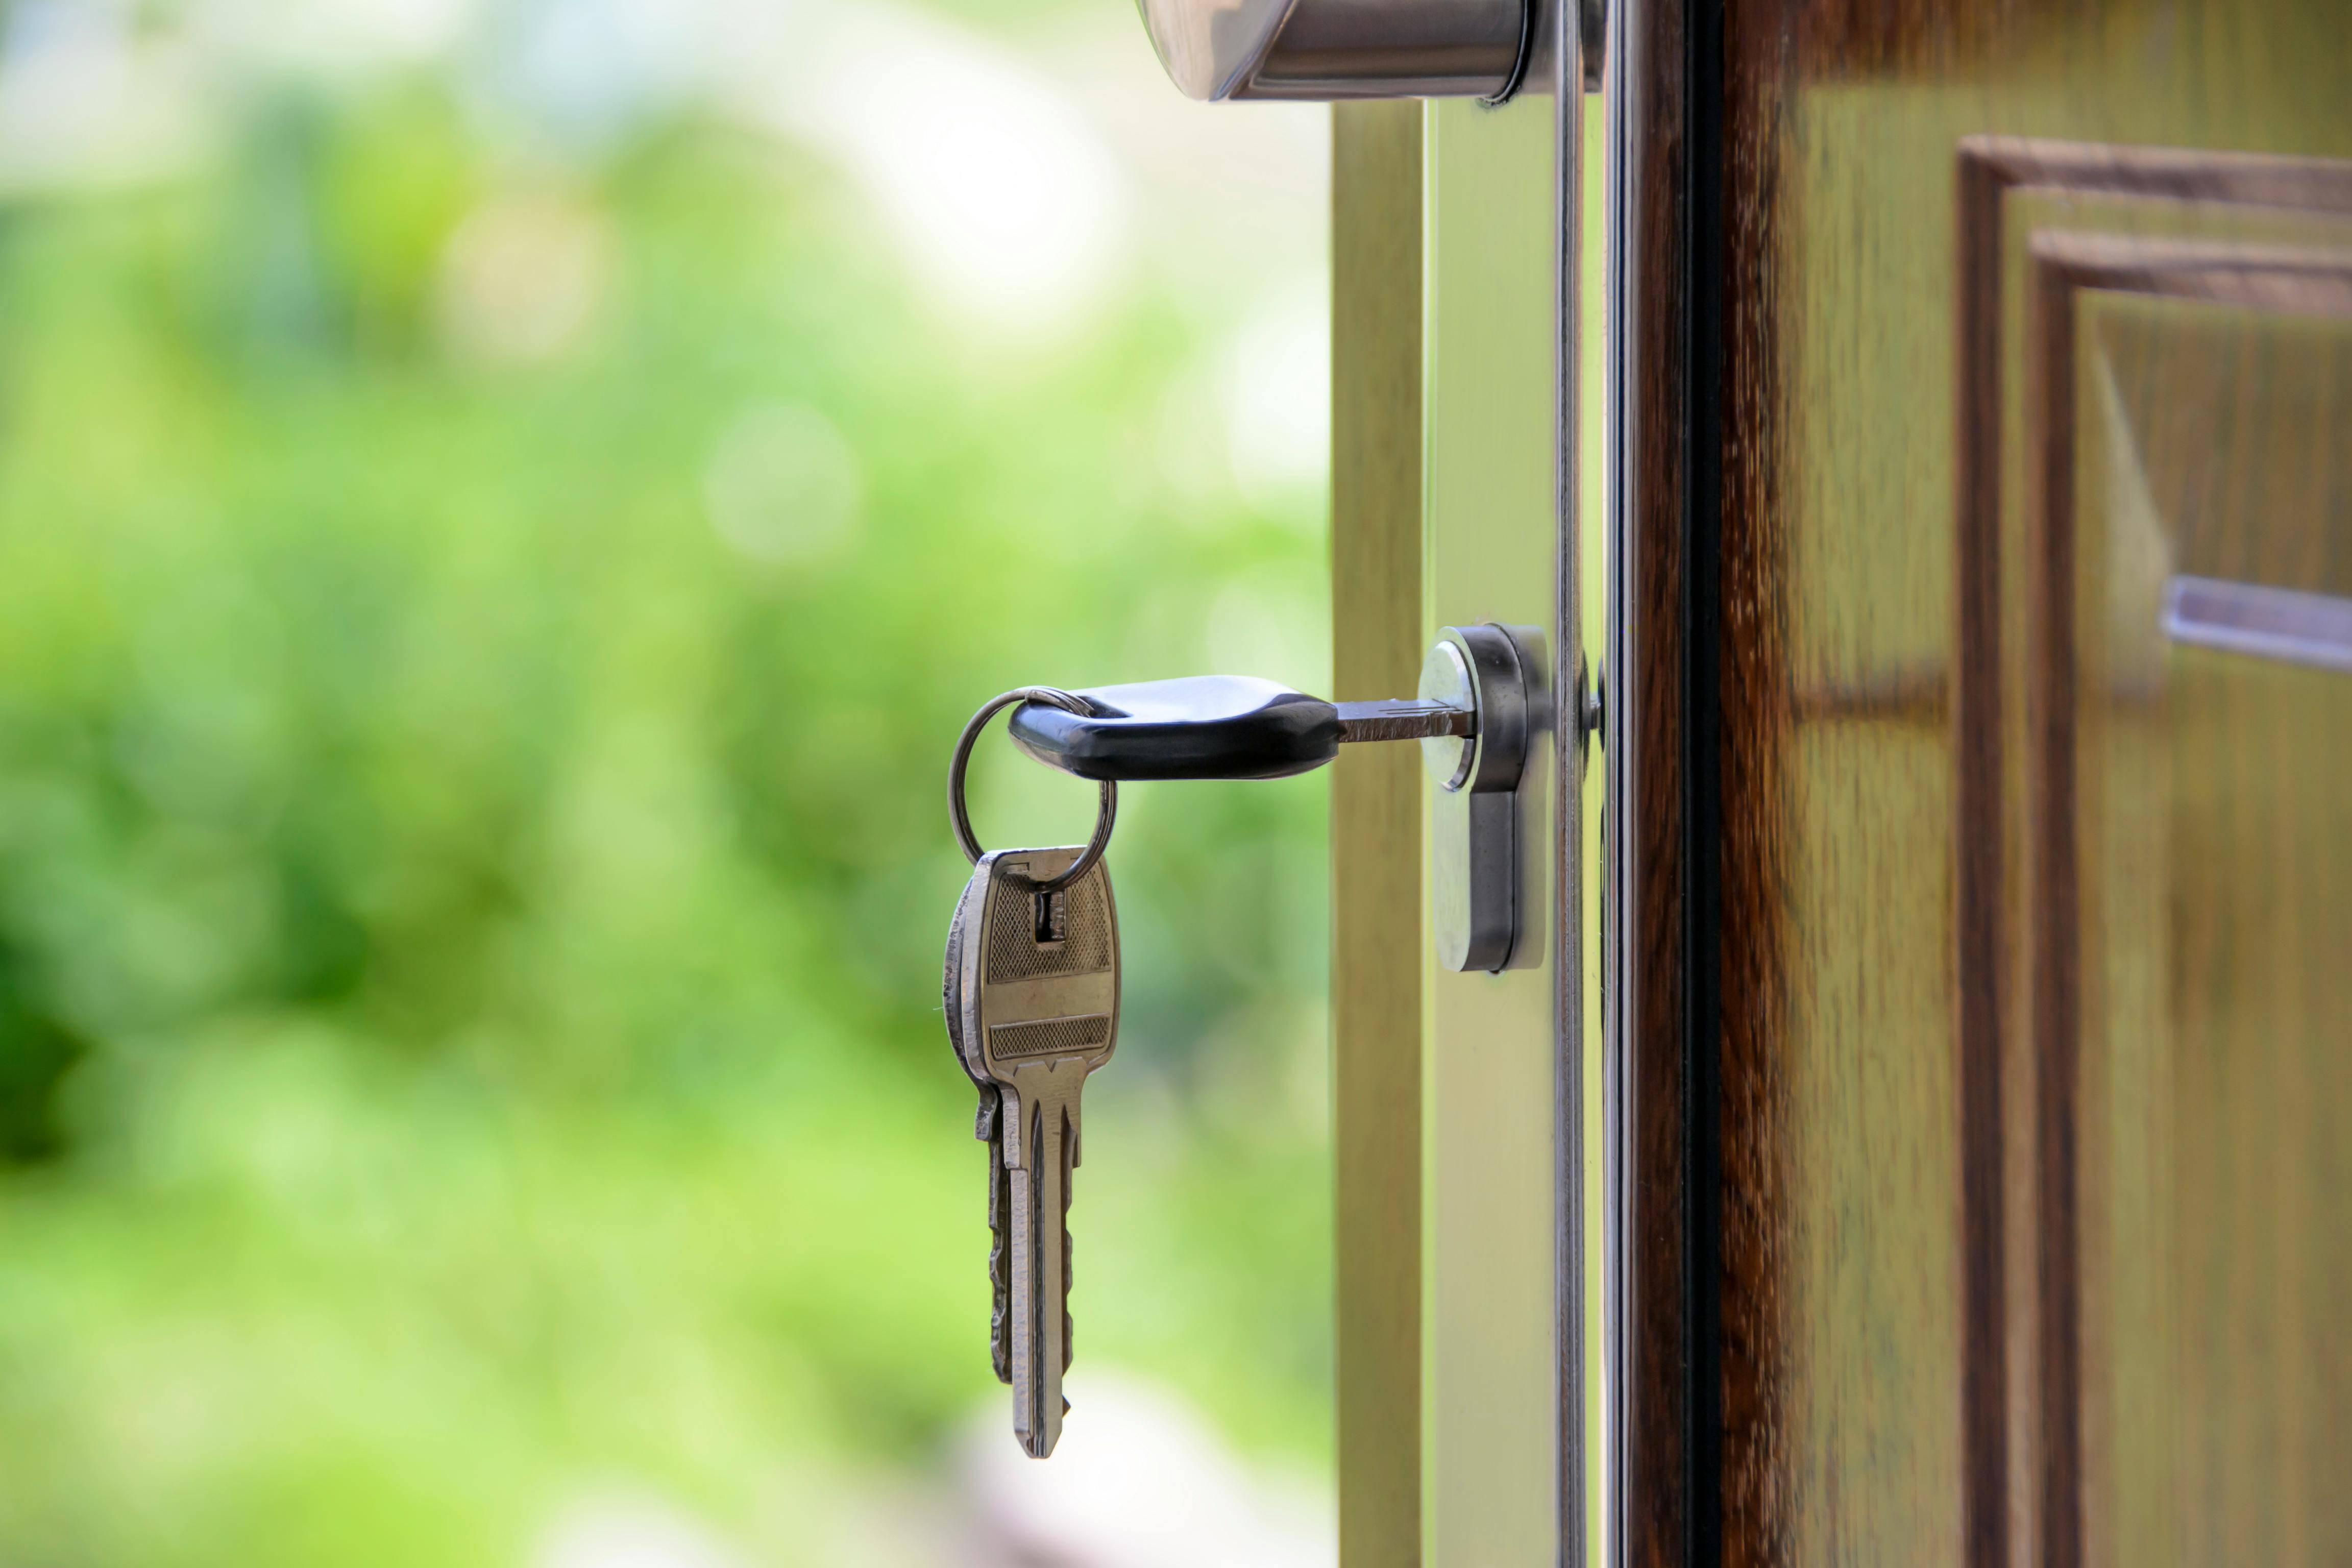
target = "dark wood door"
x: 1983, y: 978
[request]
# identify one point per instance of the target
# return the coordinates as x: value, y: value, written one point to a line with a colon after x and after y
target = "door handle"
x: 1325, y: 51
x: 1474, y: 717
x: 1329, y: 50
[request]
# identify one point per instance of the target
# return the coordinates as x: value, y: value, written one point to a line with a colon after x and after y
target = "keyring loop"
x: 1104, y: 816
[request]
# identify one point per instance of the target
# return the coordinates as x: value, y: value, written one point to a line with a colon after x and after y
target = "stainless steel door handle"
x: 1330, y: 49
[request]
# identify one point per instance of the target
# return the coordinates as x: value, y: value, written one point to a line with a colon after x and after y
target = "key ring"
x: 1104, y: 816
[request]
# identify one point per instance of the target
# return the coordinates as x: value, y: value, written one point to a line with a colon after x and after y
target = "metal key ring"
x: 1104, y: 816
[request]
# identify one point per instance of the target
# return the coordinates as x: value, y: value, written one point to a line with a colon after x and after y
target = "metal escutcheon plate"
x: 1474, y: 808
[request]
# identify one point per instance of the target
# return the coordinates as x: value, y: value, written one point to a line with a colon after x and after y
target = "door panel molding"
x: 2022, y: 1226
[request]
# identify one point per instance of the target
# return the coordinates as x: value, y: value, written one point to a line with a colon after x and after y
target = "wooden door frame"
x: 1661, y: 918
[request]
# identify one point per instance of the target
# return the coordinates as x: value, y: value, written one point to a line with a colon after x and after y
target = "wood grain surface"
x: 2132, y: 188
x: 2197, y: 394
x: 1648, y: 965
x: 1847, y: 1146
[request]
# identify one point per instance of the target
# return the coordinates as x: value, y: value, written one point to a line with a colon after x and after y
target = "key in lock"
x: 1031, y: 989
x: 1484, y: 705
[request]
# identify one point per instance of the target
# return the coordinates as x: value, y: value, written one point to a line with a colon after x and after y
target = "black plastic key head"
x: 1203, y: 727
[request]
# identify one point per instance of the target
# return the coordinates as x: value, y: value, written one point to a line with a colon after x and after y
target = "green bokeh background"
x: 469, y: 934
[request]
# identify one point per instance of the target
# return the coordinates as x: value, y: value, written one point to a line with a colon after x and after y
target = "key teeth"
x: 1000, y: 1273
x: 1067, y: 1326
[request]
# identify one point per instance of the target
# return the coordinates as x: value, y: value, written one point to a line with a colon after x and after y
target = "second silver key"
x: 1040, y: 1004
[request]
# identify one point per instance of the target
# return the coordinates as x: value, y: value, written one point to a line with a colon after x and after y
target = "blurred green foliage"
x: 469, y: 934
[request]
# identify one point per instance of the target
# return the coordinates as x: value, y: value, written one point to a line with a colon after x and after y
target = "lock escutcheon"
x: 1473, y: 811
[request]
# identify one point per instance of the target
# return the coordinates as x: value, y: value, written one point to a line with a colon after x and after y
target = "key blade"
x: 1403, y: 719
x: 1047, y: 1093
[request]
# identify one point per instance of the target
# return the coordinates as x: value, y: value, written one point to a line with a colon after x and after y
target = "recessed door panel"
x: 2191, y: 840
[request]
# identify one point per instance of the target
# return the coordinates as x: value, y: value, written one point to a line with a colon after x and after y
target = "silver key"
x: 988, y: 1125
x: 1033, y: 1003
